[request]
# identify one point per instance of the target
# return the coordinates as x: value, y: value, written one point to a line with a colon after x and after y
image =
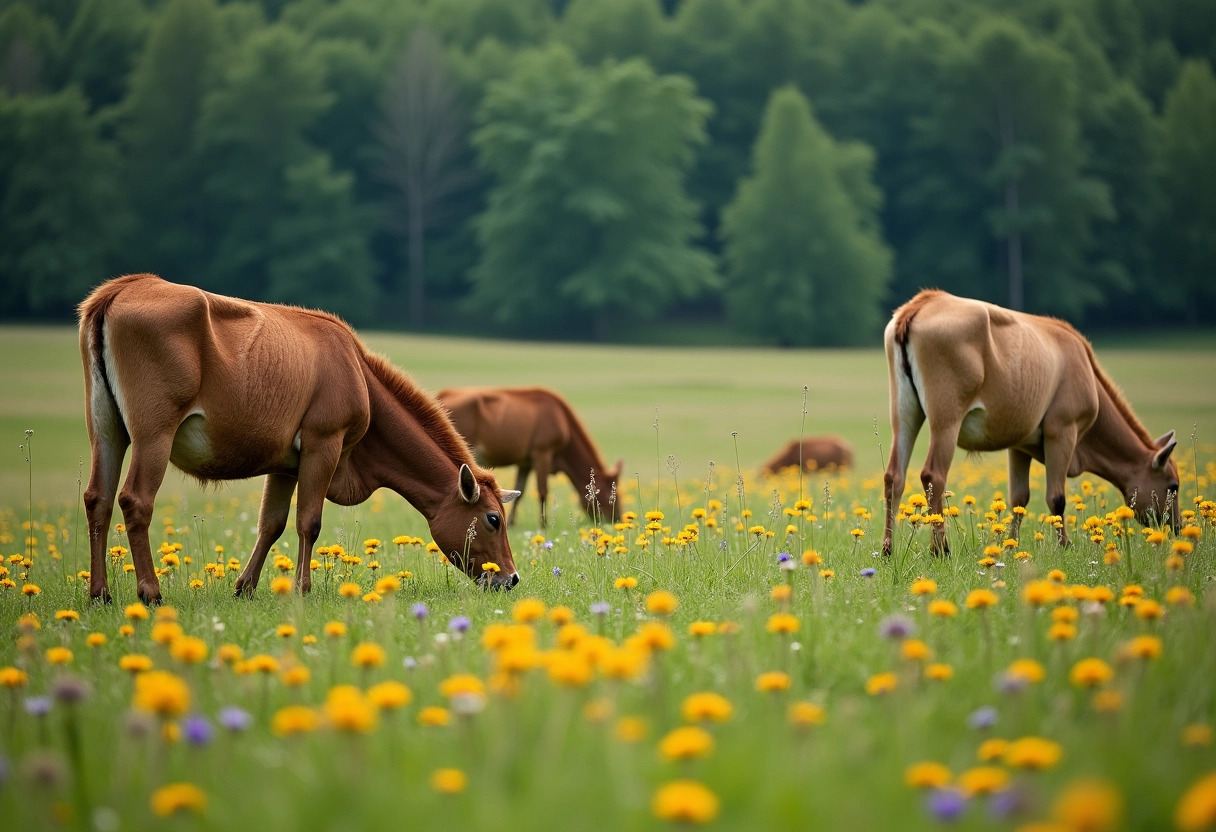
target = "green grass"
x: 536, y: 761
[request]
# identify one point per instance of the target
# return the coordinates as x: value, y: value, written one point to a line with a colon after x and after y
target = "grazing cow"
x: 534, y: 428
x: 987, y: 379
x: 813, y: 453
x: 228, y: 389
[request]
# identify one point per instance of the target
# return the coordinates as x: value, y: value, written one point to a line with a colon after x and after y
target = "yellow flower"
x: 983, y: 780
x: 924, y: 586
x: 294, y: 719
x: 13, y: 677
x: 189, y: 650
x: 806, y: 714
x: 229, y: 653
x: 367, y: 654
x: 1143, y: 647
x: 347, y: 709
x: 942, y: 608
x: 389, y: 696
x: 1108, y: 701
x: 165, y: 633
x: 1182, y: 547
x: 625, y: 583
x: 1034, y: 753
x: 620, y: 663
x: 782, y: 622
x: 295, y: 677
x: 991, y: 749
x: 571, y: 670
x: 1062, y: 631
x: 1179, y: 596
x: 178, y: 797
x: 1026, y: 670
x: 560, y: 616
x: 462, y: 684
x: 630, y: 729
x: 30, y: 590
x: 927, y: 775
x: 262, y: 663
x: 350, y: 590
x: 335, y: 629
x: 655, y: 636
x: 881, y: 683
x: 706, y: 707
x: 774, y: 681
x: 135, y: 663
x: 915, y: 650
x: 58, y: 655
x: 782, y: 593
x: 1196, y: 809
x: 281, y: 586
x: 1197, y: 735
x: 979, y: 599
x: 527, y: 610
x: 1041, y: 593
x: 685, y: 801
x: 449, y: 780
x: 136, y: 612
x: 661, y: 602
x: 811, y: 558
x: 434, y: 716
x: 939, y: 672
x: 162, y: 693
x: 1090, y: 673
x: 686, y: 743
x: 698, y: 629
x: 1149, y: 610
x: 67, y: 615
x: 1089, y: 806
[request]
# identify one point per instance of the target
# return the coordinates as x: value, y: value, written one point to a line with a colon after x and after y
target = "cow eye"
x: 494, y: 520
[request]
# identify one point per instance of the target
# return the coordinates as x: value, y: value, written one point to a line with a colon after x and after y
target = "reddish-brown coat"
x: 230, y: 389
x: 813, y: 453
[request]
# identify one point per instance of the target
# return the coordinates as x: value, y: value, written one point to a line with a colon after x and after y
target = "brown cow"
x: 534, y: 428
x: 228, y: 389
x: 813, y: 453
x: 988, y: 379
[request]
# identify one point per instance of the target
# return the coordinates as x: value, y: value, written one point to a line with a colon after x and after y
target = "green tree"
x: 61, y: 210
x: 30, y: 48
x: 622, y: 29
x: 1187, y: 244
x: 588, y: 221
x: 101, y: 46
x: 805, y: 261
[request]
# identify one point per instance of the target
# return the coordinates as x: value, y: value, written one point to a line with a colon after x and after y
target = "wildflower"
x: 1108, y: 701
x: 827, y: 574
x: 811, y: 558
x: 1089, y: 806
x: 1143, y: 647
x: 979, y: 599
x: 896, y: 627
x: 262, y: 663
x: 561, y: 616
x: 434, y: 716
x: 58, y: 656
x: 625, y: 583
x: 367, y: 655
x: 1149, y: 610
x: 234, y: 719
x: 419, y: 610
x: 189, y: 650
x: 1179, y: 596
x: 297, y: 676
x: 135, y: 663
x: 1090, y: 673
x: 686, y: 743
x: 229, y: 653
x: 161, y: 693
x: 294, y: 719
x: 927, y: 775
x: 1034, y: 753
x: 335, y: 629
x: 349, y: 589
x: 1182, y: 547
x: 661, y: 602
x: 449, y: 780
x: 630, y: 729
x: 136, y: 612
x: 982, y: 718
x: 569, y: 669
x: 622, y: 663
x: 881, y: 683
x: 915, y: 650
x: 685, y: 801
x: 699, y: 629
x: 1197, y: 735
x: 1040, y: 593
x: 869, y: 572
x: 946, y: 805
x: 991, y: 749
x: 30, y: 590
x: 347, y: 709
x: 1027, y: 670
x: 281, y: 586
x: 806, y: 714
x: 706, y: 707
x: 178, y: 797
x: 13, y: 677
x: 600, y: 607
x: 1196, y: 809
x: 38, y: 705
x: 939, y: 672
x: 983, y: 780
x: 942, y: 608
x: 774, y: 681
x: 197, y: 730
x: 782, y: 622
x: 656, y: 636
x: 1062, y: 631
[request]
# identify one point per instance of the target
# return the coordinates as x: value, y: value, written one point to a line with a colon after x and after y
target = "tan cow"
x: 813, y: 453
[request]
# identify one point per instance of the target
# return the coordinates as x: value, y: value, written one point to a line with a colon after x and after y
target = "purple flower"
x: 548, y: 544
x: 946, y: 805
x: 419, y: 610
x: 557, y: 571
x: 70, y: 689
x: 38, y: 705
x: 896, y: 627
x: 600, y: 608
x: 868, y: 572
x: 1010, y: 683
x: 235, y: 719
x: 1008, y: 803
x: 409, y: 662
x: 982, y: 718
x: 460, y: 624
x: 197, y: 730
x: 782, y: 557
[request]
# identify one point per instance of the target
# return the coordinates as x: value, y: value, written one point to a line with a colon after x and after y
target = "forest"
x: 774, y: 171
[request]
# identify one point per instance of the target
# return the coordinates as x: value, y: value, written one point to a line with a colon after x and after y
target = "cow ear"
x: 1163, y: 454
x: 469, y: 489
x: 616, y: 472
x: 1164, y: 440
x: 509, y: 496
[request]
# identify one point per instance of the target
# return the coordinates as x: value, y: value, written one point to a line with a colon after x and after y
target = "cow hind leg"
x: 149, y: 459
x: 108, y: 450
x: 521, y: 482
x: 272, y: 521
x: 1019, y: 488
x: 906, y: 427
x: 942, y: 441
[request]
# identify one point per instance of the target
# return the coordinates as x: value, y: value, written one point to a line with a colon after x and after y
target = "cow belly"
x: 192, y: 446
x: 194, y: 454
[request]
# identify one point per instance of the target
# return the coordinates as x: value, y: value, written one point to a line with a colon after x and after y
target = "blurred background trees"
x: 781, y: 171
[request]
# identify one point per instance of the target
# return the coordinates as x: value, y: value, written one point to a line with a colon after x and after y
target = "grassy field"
x: 836, y: 686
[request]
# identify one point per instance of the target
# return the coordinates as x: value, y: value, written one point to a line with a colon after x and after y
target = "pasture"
x: 1007, y: 687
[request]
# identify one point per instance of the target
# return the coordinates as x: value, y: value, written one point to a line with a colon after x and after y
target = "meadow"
x: 732, y: 652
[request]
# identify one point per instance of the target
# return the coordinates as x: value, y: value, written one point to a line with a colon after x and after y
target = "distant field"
x: 699, y: 397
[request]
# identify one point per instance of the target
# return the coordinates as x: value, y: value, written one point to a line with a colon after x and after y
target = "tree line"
x: 539, y: 168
